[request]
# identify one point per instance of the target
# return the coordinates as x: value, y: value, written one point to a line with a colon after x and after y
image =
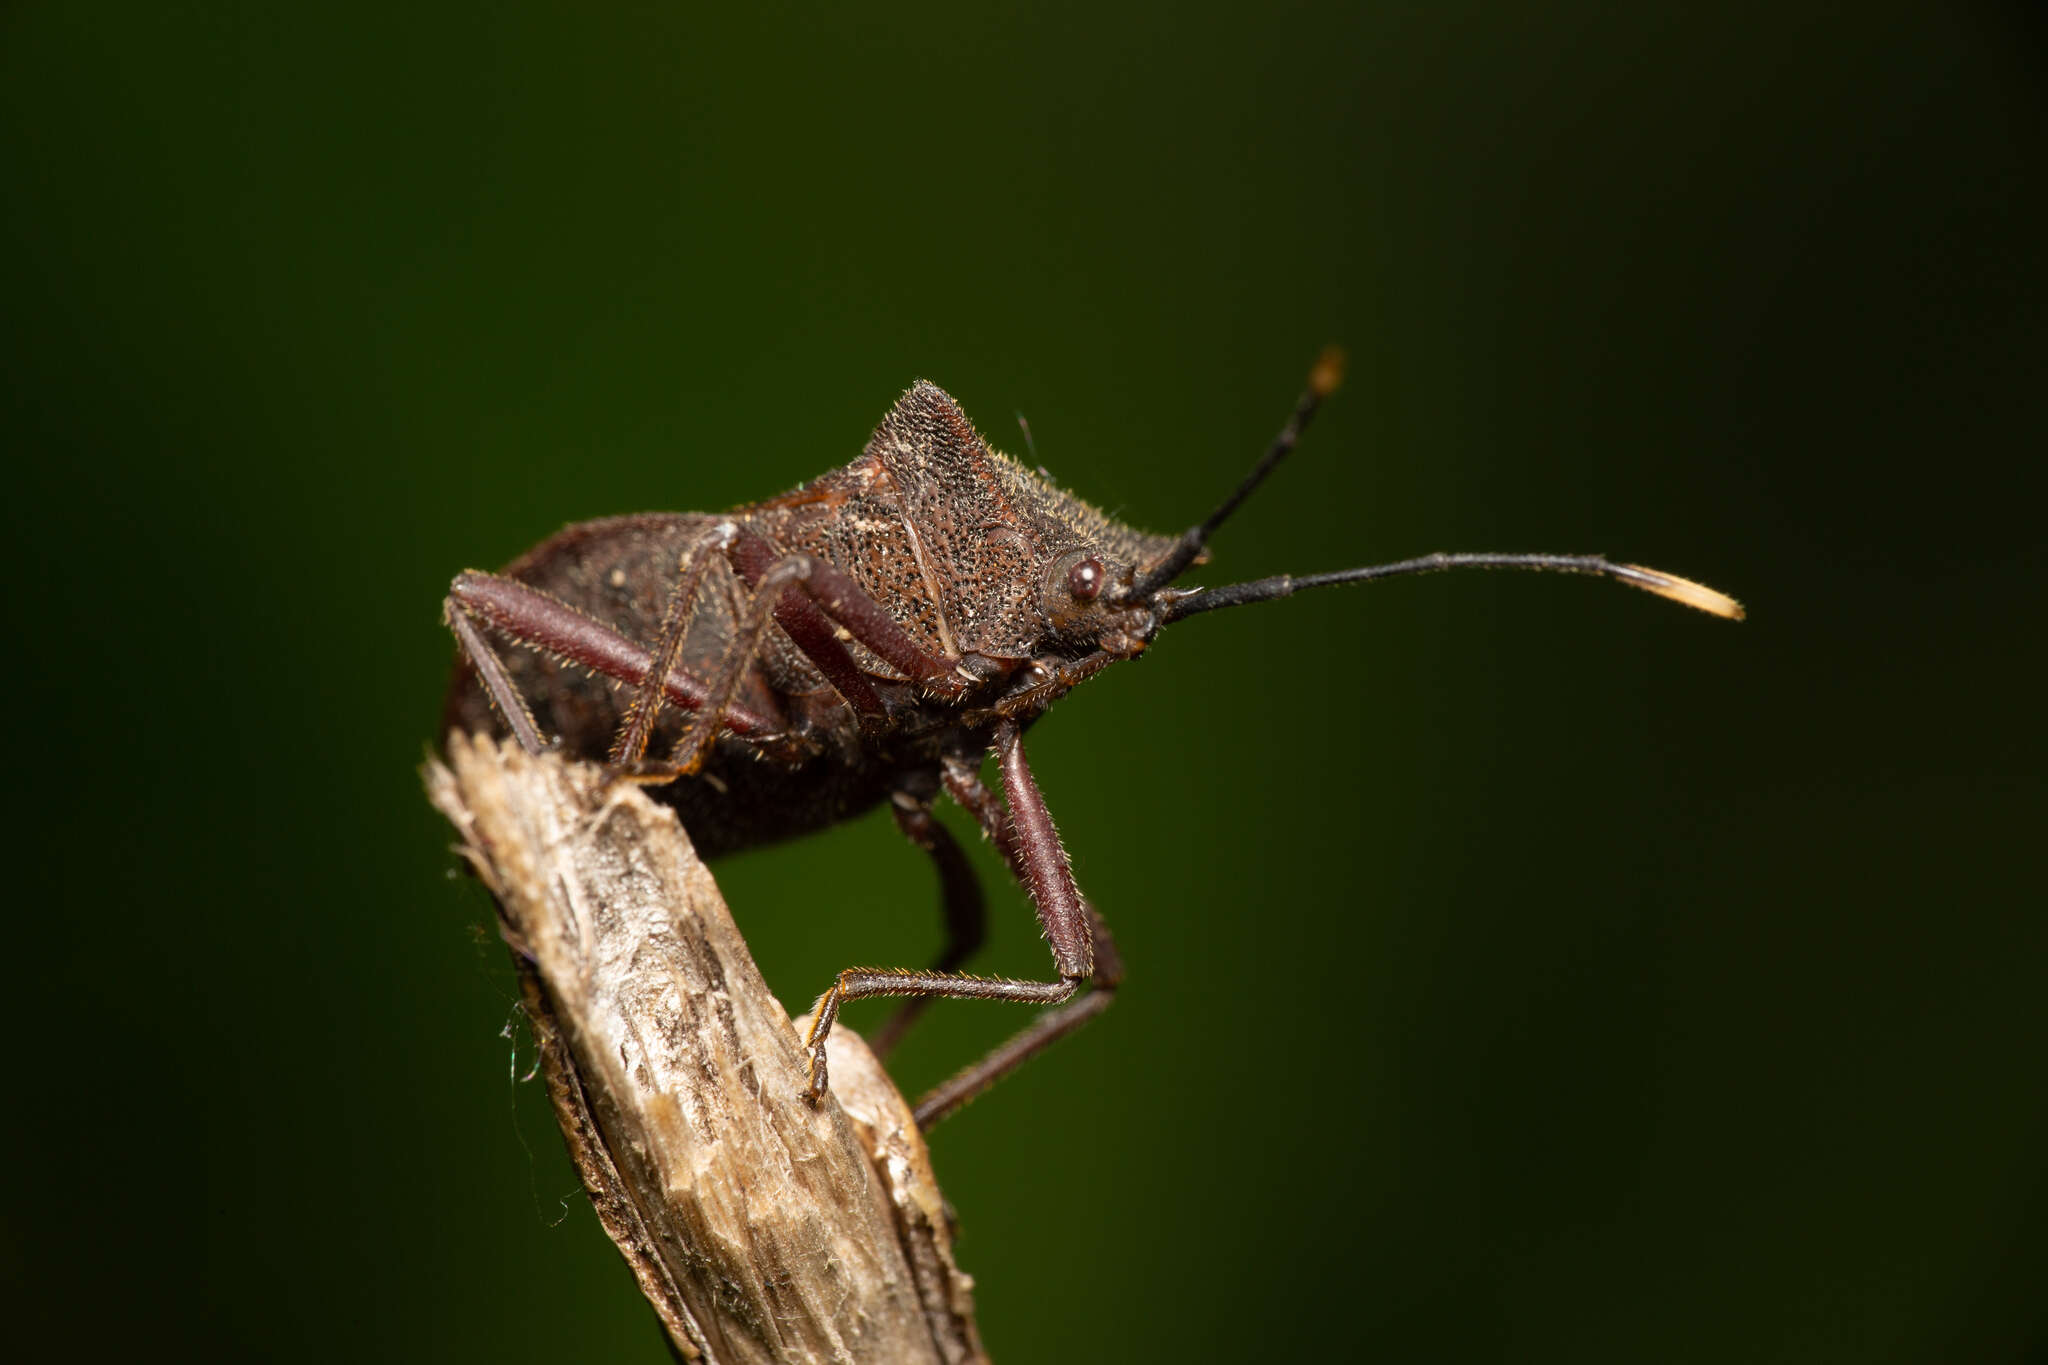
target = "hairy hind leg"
x: 535, y: 620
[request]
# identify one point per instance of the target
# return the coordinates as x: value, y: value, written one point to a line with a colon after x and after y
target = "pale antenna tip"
x: 1328, y: 374
x: 1686, y: 593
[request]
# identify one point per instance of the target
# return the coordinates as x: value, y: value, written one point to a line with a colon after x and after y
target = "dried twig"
x: 759, y: 1227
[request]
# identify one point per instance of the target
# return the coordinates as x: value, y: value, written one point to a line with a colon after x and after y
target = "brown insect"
x: 873, y: 636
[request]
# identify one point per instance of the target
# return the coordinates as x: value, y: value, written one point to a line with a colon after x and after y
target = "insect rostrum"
x: 873, y: 636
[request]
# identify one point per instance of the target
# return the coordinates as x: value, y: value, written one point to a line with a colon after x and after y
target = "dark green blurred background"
x: 1520, y: 968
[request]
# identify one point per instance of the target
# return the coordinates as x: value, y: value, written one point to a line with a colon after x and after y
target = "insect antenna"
x: 1176, y: 606
x: 1322, y: 382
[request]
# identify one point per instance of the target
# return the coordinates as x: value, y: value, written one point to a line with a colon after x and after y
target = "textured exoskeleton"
x: 871, y: 636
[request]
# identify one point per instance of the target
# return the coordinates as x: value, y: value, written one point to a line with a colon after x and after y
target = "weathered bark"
x: 760, y: 1228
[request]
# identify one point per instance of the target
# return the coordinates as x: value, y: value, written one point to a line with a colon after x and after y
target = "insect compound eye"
x: 1084, y: 580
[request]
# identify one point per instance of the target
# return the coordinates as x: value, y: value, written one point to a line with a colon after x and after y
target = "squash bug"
x: 872, y: 636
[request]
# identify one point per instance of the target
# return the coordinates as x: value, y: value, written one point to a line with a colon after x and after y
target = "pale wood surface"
x: 759, y: 1228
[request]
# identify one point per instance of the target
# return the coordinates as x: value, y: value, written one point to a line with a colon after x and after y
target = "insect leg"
x: 816, y: 603
x: 838, y: 596
x: 960, y: 898
x: 530, y: 617
x: 629, y: 746
x: 1048, y: 1028
x: 719, y: 698
x: 964, y: 784
x: 1062, y: 913
x: 490, y: 669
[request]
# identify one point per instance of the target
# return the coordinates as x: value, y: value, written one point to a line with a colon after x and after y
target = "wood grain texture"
x: 759, y: 1227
